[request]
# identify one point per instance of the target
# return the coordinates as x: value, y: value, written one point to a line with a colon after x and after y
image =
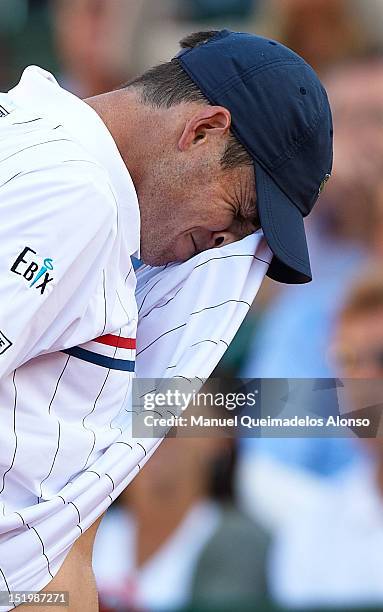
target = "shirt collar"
x: 41, y: 93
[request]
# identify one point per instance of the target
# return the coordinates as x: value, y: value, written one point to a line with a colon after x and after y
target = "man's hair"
x: 168, y: 84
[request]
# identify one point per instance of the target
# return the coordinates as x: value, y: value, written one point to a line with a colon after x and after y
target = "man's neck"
x: 122, y: 114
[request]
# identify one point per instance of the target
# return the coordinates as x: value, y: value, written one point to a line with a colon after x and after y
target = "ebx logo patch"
x: 4, y: 343
x: 33, y: 269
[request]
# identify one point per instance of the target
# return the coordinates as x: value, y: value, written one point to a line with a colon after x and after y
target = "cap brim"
x: 283, y: 227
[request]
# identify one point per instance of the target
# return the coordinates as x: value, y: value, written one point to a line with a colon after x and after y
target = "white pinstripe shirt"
x: 68, y: 315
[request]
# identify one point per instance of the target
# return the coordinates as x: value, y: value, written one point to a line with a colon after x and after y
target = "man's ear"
x: 205, y: 122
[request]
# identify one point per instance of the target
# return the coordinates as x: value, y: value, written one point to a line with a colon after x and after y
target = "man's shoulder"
x: 37, y: 141
x: 34, y: 148
x: 46, y: 123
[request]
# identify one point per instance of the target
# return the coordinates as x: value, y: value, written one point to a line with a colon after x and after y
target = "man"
x: 164, y: 169
x: 329, y: 553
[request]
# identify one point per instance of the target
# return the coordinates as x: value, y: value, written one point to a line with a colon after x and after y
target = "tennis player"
x: 232, y: 135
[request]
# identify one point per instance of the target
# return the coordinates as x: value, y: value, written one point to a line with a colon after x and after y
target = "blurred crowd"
x: 252, y: 523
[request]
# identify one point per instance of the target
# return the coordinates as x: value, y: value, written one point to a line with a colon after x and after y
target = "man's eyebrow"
x: 249, y: 206
x: 246, y: 201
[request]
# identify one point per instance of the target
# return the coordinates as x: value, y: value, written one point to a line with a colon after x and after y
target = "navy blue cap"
x: 281, y: 115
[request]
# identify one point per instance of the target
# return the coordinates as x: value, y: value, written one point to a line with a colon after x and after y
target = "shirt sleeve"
x: 58, y: 225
